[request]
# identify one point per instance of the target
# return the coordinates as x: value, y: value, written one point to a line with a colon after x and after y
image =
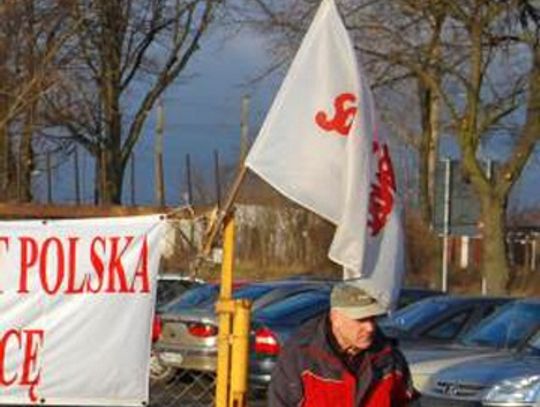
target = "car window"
x: 450, y: 327
x: 297, y: 308
x: 168, y: 290
x: 193, y: 297
x: 507, y: 327
x: 251, y: 292
x: 488, y: 310
x: 416, y: 314
x: 279, y: 293
x: 533, y: 344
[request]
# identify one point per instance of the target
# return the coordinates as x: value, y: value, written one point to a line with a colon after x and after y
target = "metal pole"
x: 446, y: 224
x: 240, y: 352
x: 533, y: 254
x: 225, y: 311
x: 489, y: 175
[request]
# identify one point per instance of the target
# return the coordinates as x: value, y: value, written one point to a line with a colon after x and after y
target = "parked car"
x: 272, y: 326
x: 199, y: 296
x: 502, y: 379
x: 506, y: 329
x: 171, y: 286
x: 439, y: 319
x: 410, y: 295
x: 188, y: 337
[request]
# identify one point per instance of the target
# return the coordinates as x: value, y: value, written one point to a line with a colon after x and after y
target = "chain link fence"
x: 184, y: 388
x: 190, y: 388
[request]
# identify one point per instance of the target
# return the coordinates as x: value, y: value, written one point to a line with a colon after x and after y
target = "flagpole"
x: 215, y: 226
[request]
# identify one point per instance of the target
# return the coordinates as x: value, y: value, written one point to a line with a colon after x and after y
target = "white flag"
x: 319, y: 147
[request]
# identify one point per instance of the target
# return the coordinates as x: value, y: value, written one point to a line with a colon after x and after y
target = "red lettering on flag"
x: 381, y: 196
x: 343, y: 116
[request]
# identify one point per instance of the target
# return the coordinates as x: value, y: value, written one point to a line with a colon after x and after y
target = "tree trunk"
x: 110, y: 176
x: 494, y: 265
x: 428, y: 151
x: 423, y: 157
x: 4, y: 134
x: 26, y: 156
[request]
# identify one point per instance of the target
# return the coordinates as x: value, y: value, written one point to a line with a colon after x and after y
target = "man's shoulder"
x: 309, y: 332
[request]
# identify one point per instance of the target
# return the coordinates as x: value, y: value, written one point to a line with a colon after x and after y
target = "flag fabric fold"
x: 319, y: 146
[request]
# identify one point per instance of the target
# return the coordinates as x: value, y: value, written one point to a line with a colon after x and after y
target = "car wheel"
x: 160, y: 373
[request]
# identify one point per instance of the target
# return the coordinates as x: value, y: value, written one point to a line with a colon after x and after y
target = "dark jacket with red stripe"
x: 313, y: 372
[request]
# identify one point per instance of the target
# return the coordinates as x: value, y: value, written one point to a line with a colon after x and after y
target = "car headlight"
x: 515, y: 391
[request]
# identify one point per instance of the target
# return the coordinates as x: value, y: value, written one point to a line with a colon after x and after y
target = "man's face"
x: 353, y: 335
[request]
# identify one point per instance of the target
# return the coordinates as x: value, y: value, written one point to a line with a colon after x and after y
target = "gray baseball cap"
x: 353, y: 301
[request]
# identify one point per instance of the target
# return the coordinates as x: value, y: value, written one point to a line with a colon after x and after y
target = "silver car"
x: 505, y: 379
x: 188, y: 339
x: 505, y: 330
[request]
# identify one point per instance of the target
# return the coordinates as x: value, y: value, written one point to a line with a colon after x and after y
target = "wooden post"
x: 76, y: 175
x: 132, y: 178
x: 188, y: 181
x: 103, y: 190
x: 49, y: 178
x: 217, y: 178
x: 244, y: 130
x: 160, y: 185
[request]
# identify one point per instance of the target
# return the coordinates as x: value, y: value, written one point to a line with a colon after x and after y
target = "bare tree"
x: 128, y: 53
x: 32, y: 37
x: 457, y: 55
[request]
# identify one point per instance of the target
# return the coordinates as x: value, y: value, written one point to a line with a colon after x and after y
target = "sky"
x: 202, y: 115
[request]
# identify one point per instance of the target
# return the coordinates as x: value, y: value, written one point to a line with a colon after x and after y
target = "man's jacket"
x: 311, y: 372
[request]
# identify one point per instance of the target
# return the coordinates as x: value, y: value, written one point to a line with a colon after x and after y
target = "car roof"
x: 529, y: 300
x: 178, y: 277
x: 467, y: 298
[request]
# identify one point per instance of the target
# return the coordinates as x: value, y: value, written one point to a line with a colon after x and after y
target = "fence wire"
x: 190, y: 388
x: 184, y: 388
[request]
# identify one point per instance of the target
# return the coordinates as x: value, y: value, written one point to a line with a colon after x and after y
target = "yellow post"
x: 225, y: 310
x: 240, y: 354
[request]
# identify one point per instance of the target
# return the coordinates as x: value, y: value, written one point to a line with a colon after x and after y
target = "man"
x: 342, y: 359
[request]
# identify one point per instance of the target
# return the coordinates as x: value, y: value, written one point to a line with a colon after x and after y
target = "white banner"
x: 76, y: 303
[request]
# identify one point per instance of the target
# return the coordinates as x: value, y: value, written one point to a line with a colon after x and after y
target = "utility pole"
x: 49, y: 178
x: 160, y: 188
x: 446, y: 221
x: 76, y: 171
x: 188, y: 181
x: 489, y: 175
x: 132, y: 179
x: 217, y: 178
x: 244, y: 130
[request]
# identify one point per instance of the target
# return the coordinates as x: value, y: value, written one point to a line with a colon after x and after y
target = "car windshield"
x: 168, y: 290
x: 252, y: 292
x: 296, y: 308
x: 416, y: 313
x: 533, y: 344
x: 193, y: 297
x: 507, y: 327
